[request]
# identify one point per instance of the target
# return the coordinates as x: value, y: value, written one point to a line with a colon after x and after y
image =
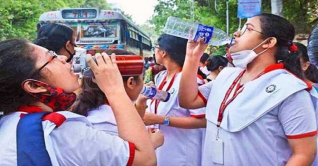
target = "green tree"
x: 166, y: 8
x: 150, y: 30
x: 18, y: 18
x: 302, y: 13
x: 203, y: 12
x: 101, y: 4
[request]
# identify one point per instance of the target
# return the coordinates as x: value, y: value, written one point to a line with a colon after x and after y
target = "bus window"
x: 99, y: 30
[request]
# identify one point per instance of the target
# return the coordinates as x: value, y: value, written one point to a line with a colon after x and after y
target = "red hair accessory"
x: 293, y: 48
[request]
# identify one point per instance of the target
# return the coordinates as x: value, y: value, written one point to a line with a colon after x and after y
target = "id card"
x: 218, y: 151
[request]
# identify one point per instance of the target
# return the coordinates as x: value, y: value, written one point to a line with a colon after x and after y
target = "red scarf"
x: 57, y: 99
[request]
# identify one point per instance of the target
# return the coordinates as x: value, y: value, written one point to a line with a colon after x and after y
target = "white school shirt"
x: 75, y: 142
x: 256, y: 125
x: 182, y: 147
x: 103, y: 119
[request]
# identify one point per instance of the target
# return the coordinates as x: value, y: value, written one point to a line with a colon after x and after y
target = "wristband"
x: 138, y: 107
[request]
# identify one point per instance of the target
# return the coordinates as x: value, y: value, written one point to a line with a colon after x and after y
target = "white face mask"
x: 242, y: 58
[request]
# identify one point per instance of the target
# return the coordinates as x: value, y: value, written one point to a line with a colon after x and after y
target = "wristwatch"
x: 166, y: 122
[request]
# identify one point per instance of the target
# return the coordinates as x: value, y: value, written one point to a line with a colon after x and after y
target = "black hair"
x: 284, y: 32
x: 200, y: 73
x: 174, y: 46
x: 54, y: 36
x: 204, y: 57
x: 92, y: 96
x: 17, y: 63
x: 312, y: 72
x: 214, y: 62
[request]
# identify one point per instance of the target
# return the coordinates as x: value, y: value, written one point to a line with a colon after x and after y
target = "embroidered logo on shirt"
x: 270, y: 88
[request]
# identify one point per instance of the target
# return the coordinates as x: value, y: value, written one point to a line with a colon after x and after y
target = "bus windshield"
x: 96, y: 32
x: 99, y: 30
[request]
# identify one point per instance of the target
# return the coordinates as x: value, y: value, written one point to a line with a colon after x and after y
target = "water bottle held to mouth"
x: 181, y: 28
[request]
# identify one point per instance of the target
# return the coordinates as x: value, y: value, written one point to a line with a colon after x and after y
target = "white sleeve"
x: 297, y: 116
x: 204, y: 91
x: 197, y: 113
x: 75, y: 143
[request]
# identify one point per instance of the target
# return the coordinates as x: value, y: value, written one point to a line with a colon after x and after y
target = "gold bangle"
x: 138, y: 107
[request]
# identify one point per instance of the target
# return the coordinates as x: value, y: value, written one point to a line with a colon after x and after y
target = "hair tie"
x: 293, y: 48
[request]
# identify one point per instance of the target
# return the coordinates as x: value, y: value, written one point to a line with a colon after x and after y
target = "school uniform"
x: 103, y: 119
x: 74, y: 142
x: 257, y: 123
x: 182, y: 147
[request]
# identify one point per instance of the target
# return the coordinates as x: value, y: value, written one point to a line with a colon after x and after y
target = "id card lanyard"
x: 226, y: 101
x: 162, y: 84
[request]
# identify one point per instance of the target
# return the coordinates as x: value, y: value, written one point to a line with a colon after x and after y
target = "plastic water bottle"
x: 181, y: 28
x: 152, y: 92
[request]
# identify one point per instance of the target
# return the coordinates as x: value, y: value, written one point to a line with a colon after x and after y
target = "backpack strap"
x: 31, y: 149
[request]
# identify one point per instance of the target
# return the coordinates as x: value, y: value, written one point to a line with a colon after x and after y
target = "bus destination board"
x: 79, y: 13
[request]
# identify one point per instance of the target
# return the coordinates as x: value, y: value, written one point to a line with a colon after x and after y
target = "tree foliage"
x: 302, y: 13
x: 18, y: 18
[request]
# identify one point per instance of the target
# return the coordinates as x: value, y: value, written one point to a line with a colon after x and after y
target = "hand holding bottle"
x: 180, y: 28
x: 152, y: 92
x: 195, y: 48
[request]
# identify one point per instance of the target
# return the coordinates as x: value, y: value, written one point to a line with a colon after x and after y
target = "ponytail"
x: 292, y: 64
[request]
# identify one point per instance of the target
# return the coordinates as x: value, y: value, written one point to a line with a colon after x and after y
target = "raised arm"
x: 130, y: 125
x: 188, y: 90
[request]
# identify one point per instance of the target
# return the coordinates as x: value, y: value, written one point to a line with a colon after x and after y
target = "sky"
x: 140, y: 10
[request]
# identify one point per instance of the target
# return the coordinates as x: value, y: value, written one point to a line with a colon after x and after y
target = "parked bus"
x: 98, y: 30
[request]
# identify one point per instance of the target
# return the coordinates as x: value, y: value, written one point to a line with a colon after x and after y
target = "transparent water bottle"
x: 181, y: 28
x: 152, y: 92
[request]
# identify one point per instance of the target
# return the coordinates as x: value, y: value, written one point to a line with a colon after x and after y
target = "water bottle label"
x: 152, y: 92
x: 204, y: 32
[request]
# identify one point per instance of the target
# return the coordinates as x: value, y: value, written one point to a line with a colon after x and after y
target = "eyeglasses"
x: 54, y: 55
x: 154, y: 48
x: 242, y: 31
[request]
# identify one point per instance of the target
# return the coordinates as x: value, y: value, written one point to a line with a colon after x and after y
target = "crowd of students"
x: 262, y: 111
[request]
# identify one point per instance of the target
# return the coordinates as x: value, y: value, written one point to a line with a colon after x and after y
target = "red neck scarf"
x: 56, y: 99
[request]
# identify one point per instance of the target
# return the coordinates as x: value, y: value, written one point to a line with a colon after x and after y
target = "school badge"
x: 270, y: 88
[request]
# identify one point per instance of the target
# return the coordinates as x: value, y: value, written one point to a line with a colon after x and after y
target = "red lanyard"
x: 238, y: 90
x: 224, y: 104
x: 162, y: 84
